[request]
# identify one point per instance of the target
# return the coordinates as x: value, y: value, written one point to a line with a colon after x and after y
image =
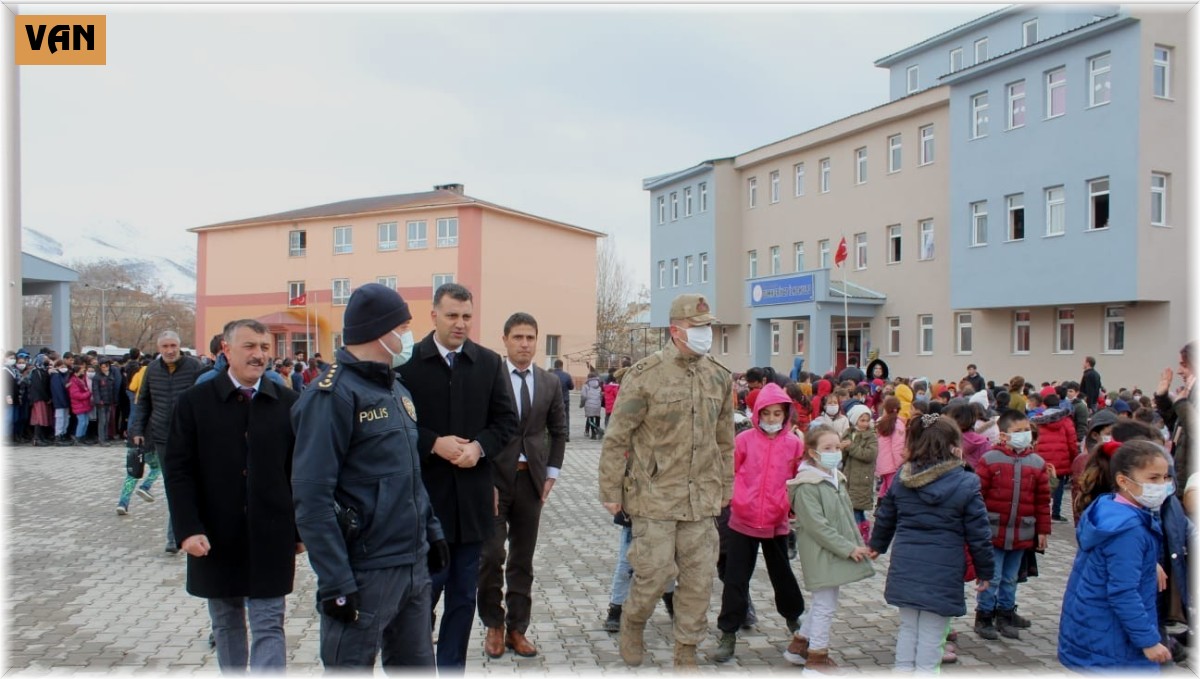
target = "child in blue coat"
x: 1109, y: 613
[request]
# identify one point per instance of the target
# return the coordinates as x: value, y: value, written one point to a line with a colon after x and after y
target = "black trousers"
x: 741, y: 554
x: 516, y: 526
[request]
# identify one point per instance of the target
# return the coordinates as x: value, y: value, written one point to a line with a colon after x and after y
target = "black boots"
x: 985, y: 625
x: 1005, y: 623
x: 613, y: 622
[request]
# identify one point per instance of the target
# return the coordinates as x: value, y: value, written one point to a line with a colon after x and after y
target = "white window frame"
x: 912, y: 78
x: 860, y: 251
x: 553, y: 346
x: 421, y: 239
x: 1163, y: 65
x: 799, y: 170
x: 979, y: 115
x: 895, y: 249
x: 448, y: 237
x: 1158, y: 196
x: 823, y: 254
x: 662, y: 209
x: 1059, y: 324
x: 689, y: 265
x: 752, y: 264
x: 775, y: 339
x: 1016, y: 202
x: 674, y: 206
x: 956, y: 52
x: 687, y: 201
x: 1016, y: 104
x: 927, y: 150
x: 1051, y: 86
x: 1109, y: 321
x: 1025, y: 40
x: 297, y: 243
x: 703, y: 267
x: 895, y: 153
x: 798, y: 331
x: 724, y: 339
x: 674, y: 272
x: 704, y: 196
x: 1093, y: 194
x: 295, y: 289
x: 979, y: 225
x: 826, y: 174
x: 774, y: 179
x: 893, y: 335
x: 343, y: 240
x: 860, y: 165
x: 925, y: 226
x: 924, y: 324
x: 963, y: 321
x: 386, y: 281
x: 1099, y: 79
x: 340, y: 285
x: 798, y: 255
x: 982, y: 42
x: 776, y: 263
x: 752, y: 187
x: 440, y: 279
x: 1019, y: 323
x: 387, y: 245
x: 662, y: 274
x: 1054, y: 204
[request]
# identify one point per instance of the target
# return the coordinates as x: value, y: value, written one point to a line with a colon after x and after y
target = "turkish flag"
x: 299, y: 301
x: 842, y: 253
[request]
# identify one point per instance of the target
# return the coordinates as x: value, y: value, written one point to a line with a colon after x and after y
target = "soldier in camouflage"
x: 674, y: 418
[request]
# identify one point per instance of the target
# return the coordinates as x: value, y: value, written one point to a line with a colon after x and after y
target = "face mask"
x: 63, y: 371
x: 1020, y: 440
x: 831, y: 410
x: 406, y: 341
x: 91, y: 374
x: 21, y: 366
x: 10, y: 361
x: 1105, y: 438
x: 830, y: 459
x: 770, y: 428
x: 1154, y: 494
x: 699, y: 339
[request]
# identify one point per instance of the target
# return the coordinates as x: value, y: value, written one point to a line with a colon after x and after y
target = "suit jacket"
x: 543, y: 438
x: 475, y: 403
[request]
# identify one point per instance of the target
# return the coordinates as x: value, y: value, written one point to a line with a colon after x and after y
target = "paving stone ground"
x: 90, y: 591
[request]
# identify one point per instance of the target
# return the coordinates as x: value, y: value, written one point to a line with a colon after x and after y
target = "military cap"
x: 692, y: 308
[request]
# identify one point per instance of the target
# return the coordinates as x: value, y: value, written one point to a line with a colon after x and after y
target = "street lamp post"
x: 103, y: 319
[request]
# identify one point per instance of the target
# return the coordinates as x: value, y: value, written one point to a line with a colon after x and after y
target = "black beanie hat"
x: 373, y: 310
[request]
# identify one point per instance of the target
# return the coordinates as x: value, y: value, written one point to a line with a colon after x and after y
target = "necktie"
x: 450, y: 359
x: 526, y: 406
x: 247, y: 392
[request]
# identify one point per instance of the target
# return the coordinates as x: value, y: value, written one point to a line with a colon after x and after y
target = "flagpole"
x: 846, y: 307
x: 317, y: 323
x: 307, y: 330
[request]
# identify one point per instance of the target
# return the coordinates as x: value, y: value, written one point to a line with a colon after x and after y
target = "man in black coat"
x: 465, y: 413
x: 1090, y: 384
x: 228, y: 470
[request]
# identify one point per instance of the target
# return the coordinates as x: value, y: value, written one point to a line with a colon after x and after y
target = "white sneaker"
x: 122, y: 510
x: 144, y: 494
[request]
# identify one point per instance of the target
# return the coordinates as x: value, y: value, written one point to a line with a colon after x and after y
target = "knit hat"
x: 1121, y: 406
x: 857, y: 412
x: 373, y: 310
x: 1101, y: 419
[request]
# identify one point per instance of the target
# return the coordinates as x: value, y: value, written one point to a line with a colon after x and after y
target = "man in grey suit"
x: 523, y: 474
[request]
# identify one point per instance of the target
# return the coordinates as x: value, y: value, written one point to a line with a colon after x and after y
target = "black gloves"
x: 439, y: 556
x: 344, y: 609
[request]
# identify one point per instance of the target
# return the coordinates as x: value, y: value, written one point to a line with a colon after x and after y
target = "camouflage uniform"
x: 674, y: 417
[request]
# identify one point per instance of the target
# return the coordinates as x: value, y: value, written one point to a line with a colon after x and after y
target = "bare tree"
x: 614, y: 292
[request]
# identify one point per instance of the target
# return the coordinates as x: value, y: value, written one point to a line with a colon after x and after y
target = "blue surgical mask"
x: 830, y: 459
x: 406, y: 344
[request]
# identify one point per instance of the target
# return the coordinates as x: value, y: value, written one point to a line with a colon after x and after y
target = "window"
x: 295, y: 290
x: 343, y: 240
x: 1056, y: 211
x: 1016, y: 105
x: 1021, y: 332
x: 1056, y: 93
x: 963, y: 333
x: 724, y: 340
x: 753, y: 186
x: 297, y: 243
x: 860, y: 166
x: 894, y: 244
x: 387, y: 281
x: 703, y: 267
x: 1029, y: 32
x: 553, y: 342
x: 799, y: 334
x: 775, y: 186
x: 1158, y: 199
x: 894, y: 151
x: 860, y: 251
x: 1114, y: 329
x: 823, y: 249
x: 926, y: 145
x: 687, y: 202
x: 704, y: 197
x: 674, y: 205
x: 798, y: 250
x: 1016, y: 217
x: 1064, y: 331
x: 774, y: 259
x: 341, y: 291
x: 688, y: 266
x: 981, y: 50
x: 925, y: 323
x: 662, y: 274
x: 1098, y: 203
x: 825, y: 175
x: 799, y: 179
x: 979, y: 115
x: 447, y: 232
x: 753, y: 264
x: 774, y: 339
x: 894, y: 335
x: 440, y: 279
x: 956, y: 59
x: 979, y: 223
x: 662, y: 210
x: 911, y: 74
x: 418, y: 235
x: 675, y: 273
x: 1100, y: 79
x: 389, y: 235
x: 926, y: 240
x: 1162, y: 71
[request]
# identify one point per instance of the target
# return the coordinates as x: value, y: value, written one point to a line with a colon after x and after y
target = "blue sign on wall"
x: 782, y: 291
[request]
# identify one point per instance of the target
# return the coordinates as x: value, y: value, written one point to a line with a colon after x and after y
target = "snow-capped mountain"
x: 169, y: 258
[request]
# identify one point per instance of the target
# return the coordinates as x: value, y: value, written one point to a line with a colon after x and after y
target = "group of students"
x: 960, y: 492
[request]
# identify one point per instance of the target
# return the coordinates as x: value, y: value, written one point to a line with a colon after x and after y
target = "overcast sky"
x: 208, y: 114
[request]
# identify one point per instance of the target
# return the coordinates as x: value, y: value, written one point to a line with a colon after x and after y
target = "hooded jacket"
x: 891, y: 449
x: 905, y: 394
x: 825, y: 530
x: 824, y: 388
x: 1057, y: 443
x: 591, y: 397
x: 858, y: 461
x: 81, y: 395
x: 762, y: 466
x: 1109, y: 612
x: 1016, y: 489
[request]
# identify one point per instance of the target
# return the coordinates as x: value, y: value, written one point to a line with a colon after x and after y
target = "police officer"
x: 674, y: 416
x: 361, y: 507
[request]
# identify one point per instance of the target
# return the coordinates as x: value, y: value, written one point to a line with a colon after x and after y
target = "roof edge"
x: 969, y: 26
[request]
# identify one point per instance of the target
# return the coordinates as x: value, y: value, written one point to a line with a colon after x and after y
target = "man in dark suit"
x: 523, y: 474
x: 465, y: 415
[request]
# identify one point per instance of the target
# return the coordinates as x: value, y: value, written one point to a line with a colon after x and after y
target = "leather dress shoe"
x: 519, y: 644
x: 493, y: 643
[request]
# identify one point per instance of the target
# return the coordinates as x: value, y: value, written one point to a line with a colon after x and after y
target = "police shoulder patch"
x: 326, y: 381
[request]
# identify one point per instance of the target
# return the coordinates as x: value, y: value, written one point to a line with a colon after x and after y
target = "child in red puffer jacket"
x: 1058, y: 445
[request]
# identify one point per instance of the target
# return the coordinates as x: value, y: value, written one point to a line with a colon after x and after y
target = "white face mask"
x: 771, y: 428
x: 10, y: 361
x: 62, y: 370
x: 1020, y: 440
x: 699, y: 339
x: 830, y: 459
x: 21, y: 366
x: 831, y: 410
x: 1105, y: 438
x: 1154, y: 494
x: 91, y: 374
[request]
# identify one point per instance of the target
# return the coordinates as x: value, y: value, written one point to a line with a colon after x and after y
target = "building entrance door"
x: 860, y: 343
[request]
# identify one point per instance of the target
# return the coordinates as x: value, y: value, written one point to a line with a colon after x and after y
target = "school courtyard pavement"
x: 90, y: 591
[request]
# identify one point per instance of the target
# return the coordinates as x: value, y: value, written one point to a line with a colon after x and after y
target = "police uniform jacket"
x: 356, y: 445
x: 674, y: 416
